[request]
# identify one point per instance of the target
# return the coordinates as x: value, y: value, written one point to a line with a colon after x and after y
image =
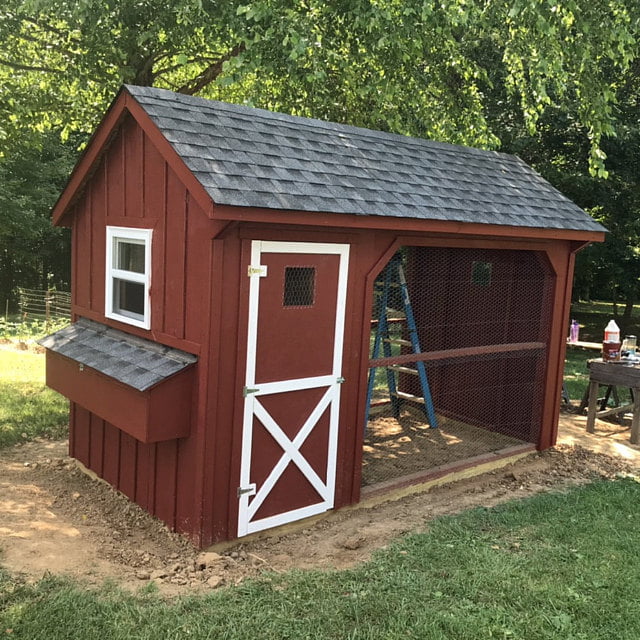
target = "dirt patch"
x: 394, y: 448
x: 56, y: 519
x: 21, y: 345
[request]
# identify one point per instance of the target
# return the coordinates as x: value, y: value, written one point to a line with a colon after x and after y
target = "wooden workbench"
x: 619, y: 375
x: 596, y: 346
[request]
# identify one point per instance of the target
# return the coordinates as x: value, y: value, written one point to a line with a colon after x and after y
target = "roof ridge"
x: 316, y: 122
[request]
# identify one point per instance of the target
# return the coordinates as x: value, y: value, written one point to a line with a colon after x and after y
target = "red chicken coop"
x: 274, y: 316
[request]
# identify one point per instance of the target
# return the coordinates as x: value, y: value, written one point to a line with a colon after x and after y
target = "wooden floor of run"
x: 397, y: 448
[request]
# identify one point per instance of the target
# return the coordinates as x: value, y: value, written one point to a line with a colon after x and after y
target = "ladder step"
x: 408, y: 396
x: 384, y: 307
x: 389, y: 321
x: 401, y: 369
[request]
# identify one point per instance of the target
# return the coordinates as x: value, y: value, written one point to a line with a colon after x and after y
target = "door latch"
x: 259, y: 270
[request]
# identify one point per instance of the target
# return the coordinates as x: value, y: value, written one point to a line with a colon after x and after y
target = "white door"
x: 297, y: 300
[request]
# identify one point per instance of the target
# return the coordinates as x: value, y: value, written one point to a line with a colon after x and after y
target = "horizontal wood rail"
x: 465, y: 352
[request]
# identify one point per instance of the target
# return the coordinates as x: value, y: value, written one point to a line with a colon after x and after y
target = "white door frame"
x: 254, y: 408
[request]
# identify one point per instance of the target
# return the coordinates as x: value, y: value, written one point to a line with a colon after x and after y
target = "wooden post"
x: 635, y: 421
x: 593, y: 405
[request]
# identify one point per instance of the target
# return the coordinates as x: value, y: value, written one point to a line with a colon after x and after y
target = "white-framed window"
x: 128, y: 276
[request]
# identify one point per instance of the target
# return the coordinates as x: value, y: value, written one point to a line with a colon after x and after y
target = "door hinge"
x: 247, y: 391
x: 257, y: 270
x: 247, y: 491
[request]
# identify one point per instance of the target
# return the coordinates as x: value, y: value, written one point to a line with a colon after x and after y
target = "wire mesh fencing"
x: 48, y: 306
x: 458, y: 355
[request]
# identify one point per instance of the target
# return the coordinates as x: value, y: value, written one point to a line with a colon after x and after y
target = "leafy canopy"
x: 422, y: 67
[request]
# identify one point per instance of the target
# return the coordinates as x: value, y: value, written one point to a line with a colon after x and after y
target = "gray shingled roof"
x: 254, y: 158
x: 136, y: 362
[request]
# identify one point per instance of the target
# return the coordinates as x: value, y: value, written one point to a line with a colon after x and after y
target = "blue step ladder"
x: 393, y: 277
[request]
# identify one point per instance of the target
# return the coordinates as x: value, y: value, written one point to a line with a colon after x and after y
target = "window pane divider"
x: 131, y: 276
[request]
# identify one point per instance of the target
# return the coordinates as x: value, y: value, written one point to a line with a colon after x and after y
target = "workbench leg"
x: 635, y: 421
x: 605, y: 399
x: 593, y: 406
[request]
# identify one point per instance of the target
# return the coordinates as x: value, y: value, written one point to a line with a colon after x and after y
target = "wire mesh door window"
x: 299, y: 286
x: 481, y: 320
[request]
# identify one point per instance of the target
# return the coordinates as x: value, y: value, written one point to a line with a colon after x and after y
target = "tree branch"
x: 210, y: 73
x: 175, y: 67
x: 63, y: 33
x: 26, y: 67
x: 49, y: 44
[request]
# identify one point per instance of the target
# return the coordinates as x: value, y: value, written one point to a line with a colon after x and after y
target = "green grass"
x: 559, y: 566
x: 27, y: 408
x: 576, y: 374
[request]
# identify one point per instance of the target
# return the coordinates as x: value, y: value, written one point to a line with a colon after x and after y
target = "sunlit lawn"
x: 27, y: 408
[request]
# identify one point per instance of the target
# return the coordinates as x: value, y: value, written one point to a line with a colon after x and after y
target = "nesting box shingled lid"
x: 248, y: 157
x: 135, y: 362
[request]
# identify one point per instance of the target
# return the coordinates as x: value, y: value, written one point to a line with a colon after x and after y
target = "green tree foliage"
x: 559, y: 151
x: 409, y: 66
x: 480, y: 72
x: 33, y: 254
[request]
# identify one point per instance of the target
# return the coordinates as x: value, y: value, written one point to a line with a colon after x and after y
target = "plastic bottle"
x: 575, y: 331
x: 612, y: 332
x: 611, y: 343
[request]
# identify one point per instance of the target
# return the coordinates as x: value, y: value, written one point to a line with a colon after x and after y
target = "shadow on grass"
x: 29, y: 411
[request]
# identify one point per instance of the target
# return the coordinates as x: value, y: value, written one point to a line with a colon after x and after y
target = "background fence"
x: 46, y: 306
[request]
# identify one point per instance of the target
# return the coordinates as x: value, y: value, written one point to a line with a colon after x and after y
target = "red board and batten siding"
x: 161, y: 203
x: 162, y: 477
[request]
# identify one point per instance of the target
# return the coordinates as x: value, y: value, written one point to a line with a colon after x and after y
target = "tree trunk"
x: 7, y: 281
x: 628, y: 308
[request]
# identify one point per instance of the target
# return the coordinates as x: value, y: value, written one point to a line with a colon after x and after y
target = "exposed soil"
x: 21, y: 345
x: 54, y: 518
x: 394, y: 448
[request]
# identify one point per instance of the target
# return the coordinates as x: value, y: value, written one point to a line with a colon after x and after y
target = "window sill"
x: 142, y: 324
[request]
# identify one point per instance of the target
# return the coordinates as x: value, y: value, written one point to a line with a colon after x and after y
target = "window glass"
x: 128, y: 298
x: 481, y: 273
x: 128, y: 276
x: 130, y: 255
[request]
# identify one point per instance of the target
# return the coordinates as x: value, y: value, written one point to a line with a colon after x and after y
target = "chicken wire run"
x: 459, y: 342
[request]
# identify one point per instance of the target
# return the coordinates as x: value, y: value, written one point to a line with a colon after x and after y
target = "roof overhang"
x: 394, y: 223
